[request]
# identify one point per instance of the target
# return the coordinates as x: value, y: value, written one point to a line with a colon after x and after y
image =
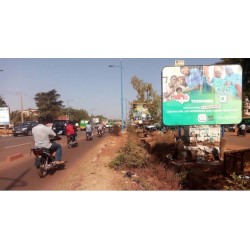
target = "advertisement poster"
x: 140, y: 113
x: 210, y: 133
x: 4, y: 116
x: 202, y: 95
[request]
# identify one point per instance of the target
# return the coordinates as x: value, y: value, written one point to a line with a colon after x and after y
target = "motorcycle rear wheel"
x: 42, y: 172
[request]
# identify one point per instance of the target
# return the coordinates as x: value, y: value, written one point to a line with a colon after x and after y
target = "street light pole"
x: 121, y: 67
x: 68, y: 106
x: 126, y: 119
x: 21, y: 97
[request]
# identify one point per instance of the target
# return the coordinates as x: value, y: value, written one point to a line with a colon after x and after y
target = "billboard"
x: 202, y: 95
x: 4, y: 116
x: 95, y: 120
x: 140, y: 113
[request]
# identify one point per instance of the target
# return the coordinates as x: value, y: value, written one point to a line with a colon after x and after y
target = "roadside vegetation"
x: 154, y: 161
x: 148, y: 171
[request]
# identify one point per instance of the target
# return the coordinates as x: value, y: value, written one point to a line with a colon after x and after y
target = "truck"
x: 83, y: 124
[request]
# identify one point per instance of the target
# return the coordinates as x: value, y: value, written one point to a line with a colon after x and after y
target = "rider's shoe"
x: 59, y: 162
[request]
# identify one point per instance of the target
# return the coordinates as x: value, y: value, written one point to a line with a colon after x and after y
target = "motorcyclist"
x: 99, y: 128
x: 42, y: 135
x: 103, y: 128
x: 89, y: 129
x: 242, y: 128
x: 70, y: 131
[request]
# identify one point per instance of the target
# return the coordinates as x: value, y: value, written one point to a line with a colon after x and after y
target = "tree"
x: 146, y: 94
x: 15, y: 117
x: 2, y: 102
x: 76, y: 114
x: 48, y: 103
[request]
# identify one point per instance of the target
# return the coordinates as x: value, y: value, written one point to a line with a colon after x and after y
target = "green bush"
x: 132, y: 155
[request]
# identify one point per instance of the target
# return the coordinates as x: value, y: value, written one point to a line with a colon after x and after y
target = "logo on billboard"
x: 202, y: 118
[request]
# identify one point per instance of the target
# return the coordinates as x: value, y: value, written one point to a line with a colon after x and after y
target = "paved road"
x: 237, y: 141
x: 20, y: 174
x: 14, y: 145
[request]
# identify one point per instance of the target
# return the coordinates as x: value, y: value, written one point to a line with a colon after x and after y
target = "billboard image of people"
x: 140, y: 112
x: 199, y: 95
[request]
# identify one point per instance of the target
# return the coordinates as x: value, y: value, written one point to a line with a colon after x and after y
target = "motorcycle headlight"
x: 23, y: 129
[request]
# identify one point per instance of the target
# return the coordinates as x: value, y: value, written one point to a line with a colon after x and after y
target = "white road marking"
x: 18, y: 145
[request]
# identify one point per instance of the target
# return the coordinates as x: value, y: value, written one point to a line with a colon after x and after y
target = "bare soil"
x: 94, y: 172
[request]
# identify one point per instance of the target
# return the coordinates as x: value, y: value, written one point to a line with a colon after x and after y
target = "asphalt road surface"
x: 20, y: 174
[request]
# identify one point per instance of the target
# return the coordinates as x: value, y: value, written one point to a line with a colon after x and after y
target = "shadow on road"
x: 17, y: 182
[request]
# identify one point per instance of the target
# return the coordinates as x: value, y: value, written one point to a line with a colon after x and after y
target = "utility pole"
x: 121, y: 67
x: 125, y: 99
x: 68, y: 106
x: 21, y: 102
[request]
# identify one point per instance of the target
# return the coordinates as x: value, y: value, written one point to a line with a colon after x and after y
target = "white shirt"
x: 243, y: 126
x: 89, y: 128
x: 41, y: 134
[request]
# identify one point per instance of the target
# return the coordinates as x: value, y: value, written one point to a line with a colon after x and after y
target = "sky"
x: 83, y: 83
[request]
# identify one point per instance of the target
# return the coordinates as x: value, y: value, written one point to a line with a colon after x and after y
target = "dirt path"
x: 93, y: 172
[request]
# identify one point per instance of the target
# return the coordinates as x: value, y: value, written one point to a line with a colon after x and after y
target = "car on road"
x: 24, y: 128
x: 108, y: 125
x: 154, y: 127
x: 60, y: 125
x: 150, y: 127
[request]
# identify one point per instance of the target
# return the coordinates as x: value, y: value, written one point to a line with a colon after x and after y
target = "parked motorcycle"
x: 241, y: 132
x: 45, y: 159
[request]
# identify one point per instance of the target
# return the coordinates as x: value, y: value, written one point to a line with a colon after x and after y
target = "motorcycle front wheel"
x: 42, y: 172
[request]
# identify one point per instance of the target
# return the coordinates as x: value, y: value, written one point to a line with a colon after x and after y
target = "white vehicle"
x: 108, y: 125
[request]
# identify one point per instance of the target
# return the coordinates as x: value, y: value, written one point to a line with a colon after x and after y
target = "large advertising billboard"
x: 202, y: 95
x: 4, y: 116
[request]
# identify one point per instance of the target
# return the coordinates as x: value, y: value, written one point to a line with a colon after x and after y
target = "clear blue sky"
x: 82, y: 83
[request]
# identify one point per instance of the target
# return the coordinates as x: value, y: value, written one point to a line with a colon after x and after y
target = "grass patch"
x: 132, y: 155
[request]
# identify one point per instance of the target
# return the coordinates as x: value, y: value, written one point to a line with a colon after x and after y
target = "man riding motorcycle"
x: 42, y: 135
x: 100, y: 129
x: 242, y: 130
x: 89, y: 130
x: 70, y: 132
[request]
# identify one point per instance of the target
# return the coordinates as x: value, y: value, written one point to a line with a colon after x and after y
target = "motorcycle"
x: 45, y: 159
x: 241, y: 132
x: 89, y: 136
x: 71, y: 141
x: 99, y: 132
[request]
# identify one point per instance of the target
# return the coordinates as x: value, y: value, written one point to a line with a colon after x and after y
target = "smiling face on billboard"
x: 202, y: 95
